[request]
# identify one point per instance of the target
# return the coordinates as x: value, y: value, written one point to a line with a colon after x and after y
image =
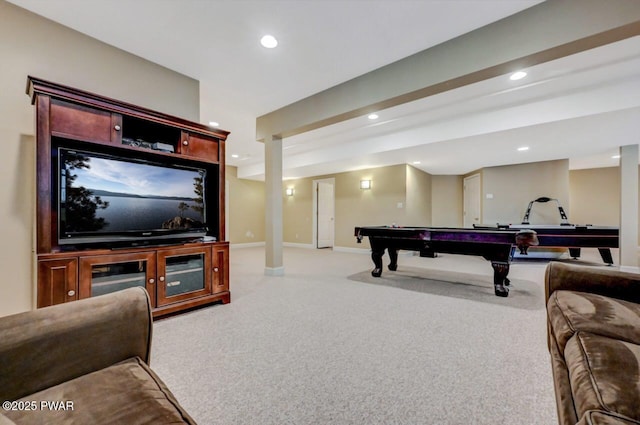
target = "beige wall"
x: 246, y: 209
x: 595, y: 196
x: 31, y: 45
x: 374, y: 207
x: 514, y: 186
x: 419, y: 184
x: 399, y: 194
x: 297, y: 212
x: 353, y: 206
x: 446, y: 201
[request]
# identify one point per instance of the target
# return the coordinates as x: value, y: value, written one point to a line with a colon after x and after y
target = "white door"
x: 325, y: 215
x: 471, y: 201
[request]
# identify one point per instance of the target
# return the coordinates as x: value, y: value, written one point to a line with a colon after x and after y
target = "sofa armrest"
x: 51, y: 345
x: 5, y: 421
x: 599, y: 417
x: 609, y: 282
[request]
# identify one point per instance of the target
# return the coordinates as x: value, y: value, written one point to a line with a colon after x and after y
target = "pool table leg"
x: 574, y: 253
x: 393, y: 257
x: 605, y: 253
x: 500, y: 281
x: 376, y: 255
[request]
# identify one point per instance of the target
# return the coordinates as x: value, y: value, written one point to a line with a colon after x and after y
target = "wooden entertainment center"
x: 178, y: 274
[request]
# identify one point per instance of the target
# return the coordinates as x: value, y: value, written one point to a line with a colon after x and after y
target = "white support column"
x: 629, y: 205
x: 273, y: 208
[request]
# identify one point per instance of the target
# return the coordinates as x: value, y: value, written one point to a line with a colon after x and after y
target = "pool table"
x: 571, y: 236
x: 495, y: 245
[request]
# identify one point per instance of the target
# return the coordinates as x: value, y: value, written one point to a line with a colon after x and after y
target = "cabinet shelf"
x: 149, y: 135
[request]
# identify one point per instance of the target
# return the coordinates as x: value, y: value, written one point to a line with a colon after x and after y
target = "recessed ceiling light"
x: 269, y: 41
x: 616, y: 157
x: 235, y: 155
x: 523, y: 148
x: 518, y: 75
x: 373, y: 116
x: 214, y: 124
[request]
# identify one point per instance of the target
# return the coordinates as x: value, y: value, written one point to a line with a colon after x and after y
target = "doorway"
x: 324, y: 211
x: 471, y: 200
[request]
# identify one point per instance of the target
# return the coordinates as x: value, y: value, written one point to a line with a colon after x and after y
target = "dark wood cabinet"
x: 57, y: 281
x: 176, y: 277
x: 178, y: 274
x: 220, y: 266
x: 79, y: 122
x: 195, y: 146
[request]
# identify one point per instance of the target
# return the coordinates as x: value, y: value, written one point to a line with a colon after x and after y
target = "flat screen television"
x: 111, y: 199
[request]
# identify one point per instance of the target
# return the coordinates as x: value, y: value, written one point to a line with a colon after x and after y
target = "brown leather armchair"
x: 84, y: 362
x: 593, y: 318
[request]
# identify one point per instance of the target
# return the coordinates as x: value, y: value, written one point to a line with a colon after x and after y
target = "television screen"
x: 108, y: 198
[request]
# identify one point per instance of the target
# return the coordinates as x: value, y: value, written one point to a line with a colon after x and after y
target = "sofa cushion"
x: 604, y: 374
x: 597, y: 417
x: 5, y: 421
x: 570, y: 312
x: 125, y: 393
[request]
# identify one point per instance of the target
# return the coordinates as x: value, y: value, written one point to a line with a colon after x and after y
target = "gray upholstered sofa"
x: 593, y: 317
x: 87, y: 361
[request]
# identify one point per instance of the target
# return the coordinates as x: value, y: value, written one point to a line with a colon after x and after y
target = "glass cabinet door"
x: 183, y: 273
x: 109, y: 273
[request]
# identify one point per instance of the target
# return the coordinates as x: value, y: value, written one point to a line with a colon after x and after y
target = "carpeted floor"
x: 328, y: 344
x: 523, y: 293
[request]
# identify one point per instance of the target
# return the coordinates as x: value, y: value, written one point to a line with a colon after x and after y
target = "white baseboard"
x: 310, y: 246
x: 298, y: 245
x: 352, y: 250
x: 246, y: 245
x: 274, y: 271
x: 256, y: 244
x: 401, y: 253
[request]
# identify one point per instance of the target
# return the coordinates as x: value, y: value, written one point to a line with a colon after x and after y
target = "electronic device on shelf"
x: 108, y: 198
x: 164, y: 147
x: 141, y: 143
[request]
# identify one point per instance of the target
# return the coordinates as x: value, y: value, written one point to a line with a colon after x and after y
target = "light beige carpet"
x: 317, y: 347
x: 522, y: 293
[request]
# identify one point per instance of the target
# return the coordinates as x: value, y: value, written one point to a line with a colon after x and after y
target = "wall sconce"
x: 289, y: 191
x: 365, y: 184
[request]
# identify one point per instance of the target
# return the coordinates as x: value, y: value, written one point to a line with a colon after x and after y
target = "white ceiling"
x: 581, y: 107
